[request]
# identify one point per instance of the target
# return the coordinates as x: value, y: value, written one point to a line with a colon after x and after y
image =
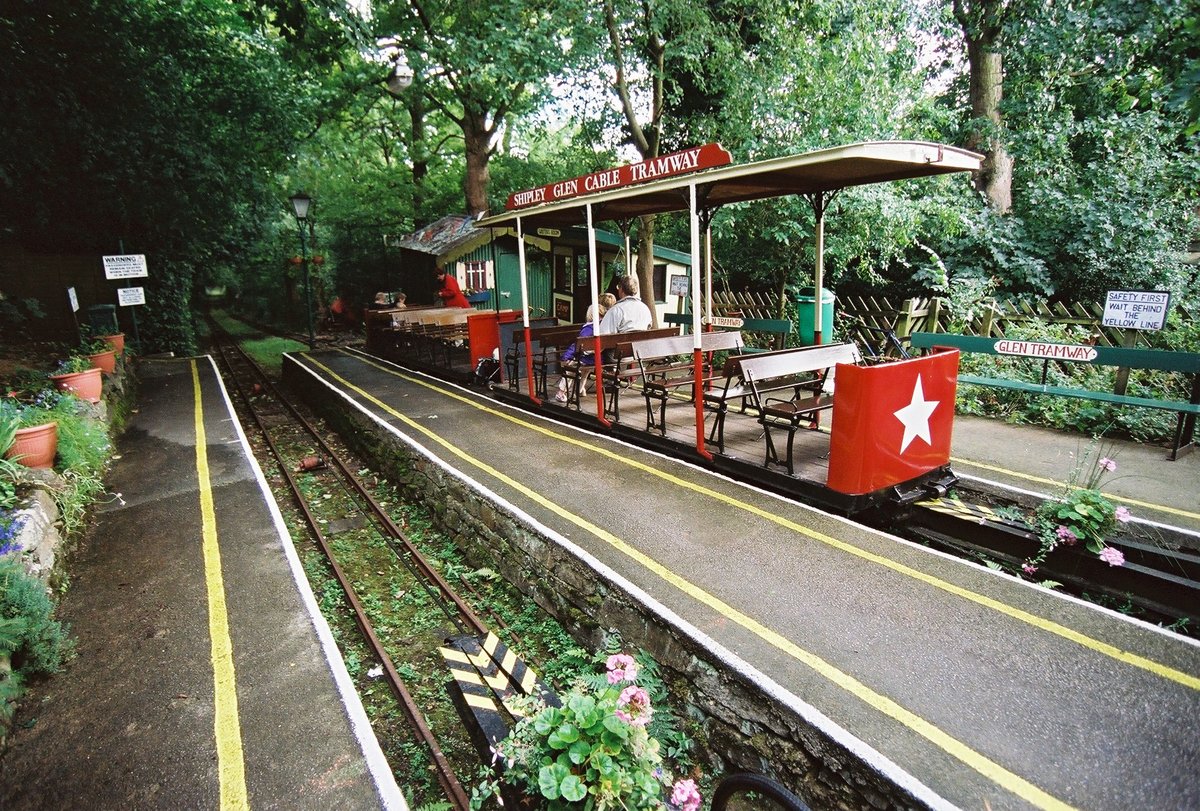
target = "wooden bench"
x: 667, y: 364
x: 512, y: 341
x: 616, y: 371
x: 802, y: 373
x: 1126, y: 357
x: 548, y: 359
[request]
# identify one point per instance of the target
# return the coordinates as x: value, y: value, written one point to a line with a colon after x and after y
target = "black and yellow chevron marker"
x: 961, y: 509
x: 521, y: 674
x: 477, y: 691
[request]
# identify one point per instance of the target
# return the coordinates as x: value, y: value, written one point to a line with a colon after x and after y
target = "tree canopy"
x: 179, y: 129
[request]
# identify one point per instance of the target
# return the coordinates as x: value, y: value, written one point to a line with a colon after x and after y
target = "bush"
x: 32, y: 642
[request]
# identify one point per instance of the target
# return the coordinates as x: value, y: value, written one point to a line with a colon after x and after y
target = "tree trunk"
x: 645, y: 265
x: 986, y: 89
x: 417, y: 154
x: 478, y: 145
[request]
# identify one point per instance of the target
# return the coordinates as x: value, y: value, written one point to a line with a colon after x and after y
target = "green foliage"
x: 16, y: 313
x: 38, y: 643
x: 73, y: 365
x: 1082, y: 514
x: 594, y: 751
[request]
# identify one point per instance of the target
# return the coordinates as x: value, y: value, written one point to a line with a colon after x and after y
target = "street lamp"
x: 300, y: 205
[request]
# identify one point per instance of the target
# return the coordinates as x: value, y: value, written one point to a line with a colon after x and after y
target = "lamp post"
x: 300, y: 203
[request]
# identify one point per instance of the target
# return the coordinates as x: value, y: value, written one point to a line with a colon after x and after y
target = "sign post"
x: 124, y: 267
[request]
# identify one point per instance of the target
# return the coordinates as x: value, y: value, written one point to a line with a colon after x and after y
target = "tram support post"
x: 593, y: 272
x: 697, y: 353
x: 525, y: 313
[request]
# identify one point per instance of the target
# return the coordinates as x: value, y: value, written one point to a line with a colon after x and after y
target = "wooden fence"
x: 990, y: 318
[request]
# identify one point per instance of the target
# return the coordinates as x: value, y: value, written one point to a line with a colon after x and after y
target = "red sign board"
x: 891, y: 422
x: 707, y: 156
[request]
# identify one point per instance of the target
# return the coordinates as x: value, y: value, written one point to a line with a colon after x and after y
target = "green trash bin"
x: 103, y: 319
x: 804, y: 304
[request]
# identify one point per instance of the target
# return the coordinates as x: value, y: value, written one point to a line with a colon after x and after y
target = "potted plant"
x: 27, y: 437
x: 594, y: 751
x: 101, y: 354
x: 78, y: 376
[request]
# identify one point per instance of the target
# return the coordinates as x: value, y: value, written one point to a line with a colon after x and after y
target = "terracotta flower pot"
x: 117, y: 342
x: 86, y: 385
x: 35, y: 446
x: 105, y: 361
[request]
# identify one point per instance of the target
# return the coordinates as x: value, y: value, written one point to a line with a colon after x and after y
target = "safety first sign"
x: 1136, y: 309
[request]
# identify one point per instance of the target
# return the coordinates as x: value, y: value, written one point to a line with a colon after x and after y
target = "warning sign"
x: 128, y: 266
x: 1136, y: 309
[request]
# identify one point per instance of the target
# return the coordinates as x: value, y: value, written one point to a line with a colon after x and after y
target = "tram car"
x: 817, y: 422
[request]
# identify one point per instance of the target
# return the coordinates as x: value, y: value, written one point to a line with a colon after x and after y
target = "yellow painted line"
x: 1002, y: 777
x: 1133, y: 502
x: 231, y: 767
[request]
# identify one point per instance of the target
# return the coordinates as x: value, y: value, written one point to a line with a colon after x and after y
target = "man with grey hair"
x: 630, y: 313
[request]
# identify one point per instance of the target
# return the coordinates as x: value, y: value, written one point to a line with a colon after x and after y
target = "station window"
x: 476, y: 275
x: 660, y: 282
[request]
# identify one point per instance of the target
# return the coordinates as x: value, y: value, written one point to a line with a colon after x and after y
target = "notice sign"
x: 679, y: 285
x: 728, y: 322
x: 127, y: 296
x: 1136, y: 309
x: 73, y: 299
x: 129, y: 266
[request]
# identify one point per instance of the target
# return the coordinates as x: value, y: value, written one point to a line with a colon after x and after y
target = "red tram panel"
x: 891, y: 422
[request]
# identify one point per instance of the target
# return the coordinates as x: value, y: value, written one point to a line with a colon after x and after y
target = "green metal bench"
x: 777, y: 328
x: 1127, y: 357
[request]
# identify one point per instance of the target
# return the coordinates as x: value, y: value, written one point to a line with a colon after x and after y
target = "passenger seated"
x: 382, y: 302
x: 583, y: 358
x: 630, y: 313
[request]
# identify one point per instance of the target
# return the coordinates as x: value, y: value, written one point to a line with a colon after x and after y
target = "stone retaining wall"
x: 733, y: 719
x: 41, y: 542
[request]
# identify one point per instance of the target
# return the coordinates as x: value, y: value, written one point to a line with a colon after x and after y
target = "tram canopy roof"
x: 825, y: 170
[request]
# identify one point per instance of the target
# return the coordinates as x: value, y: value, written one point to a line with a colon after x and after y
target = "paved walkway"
x: 205, y: 676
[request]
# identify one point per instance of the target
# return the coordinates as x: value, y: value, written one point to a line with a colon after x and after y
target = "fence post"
x: 1122, y: 381
x: 985, y: 322
x: 934, y: 315
x: 904, y: 322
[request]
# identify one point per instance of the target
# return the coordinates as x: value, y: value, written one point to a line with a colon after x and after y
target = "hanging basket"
x: 86, y: 385
x: 105, y: 361
x: 35, y: 446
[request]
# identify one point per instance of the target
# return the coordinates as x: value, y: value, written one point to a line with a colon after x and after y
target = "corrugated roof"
x: 447, y: 238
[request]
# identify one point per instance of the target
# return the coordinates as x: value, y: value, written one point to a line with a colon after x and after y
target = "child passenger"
x: 584, y: 358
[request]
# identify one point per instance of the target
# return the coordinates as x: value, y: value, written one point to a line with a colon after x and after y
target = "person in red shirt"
x: 451, y: 293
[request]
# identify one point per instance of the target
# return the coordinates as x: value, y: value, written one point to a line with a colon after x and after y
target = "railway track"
x: 342, y: 517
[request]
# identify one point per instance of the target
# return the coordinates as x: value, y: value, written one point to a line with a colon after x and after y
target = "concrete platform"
x: 960, y: 686
x: 205, y: 675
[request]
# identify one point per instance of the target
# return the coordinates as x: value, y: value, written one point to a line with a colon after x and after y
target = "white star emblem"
x: 915, y: 417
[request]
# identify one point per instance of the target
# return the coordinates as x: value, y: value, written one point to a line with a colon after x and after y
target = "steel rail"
x: 445, y: 774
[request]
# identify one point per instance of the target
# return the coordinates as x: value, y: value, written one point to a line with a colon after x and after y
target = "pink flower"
x: 1112, y: 556
x: 1107, y: 464
x: 1028, y: 568
x: 621, y: 667
x: 684, y: 795
x: 1122, y: 514
x: 1066, y: 535
x: 637, y: 702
